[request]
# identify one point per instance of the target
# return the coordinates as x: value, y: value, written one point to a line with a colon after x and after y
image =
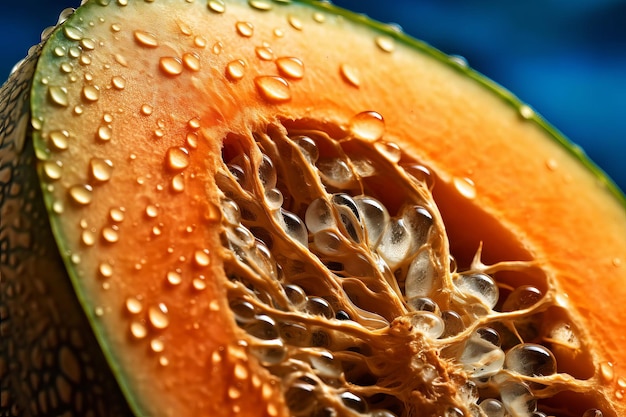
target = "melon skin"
x: 261, y: 112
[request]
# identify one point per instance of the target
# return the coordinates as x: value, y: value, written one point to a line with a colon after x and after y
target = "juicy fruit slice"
x: 248, y: 222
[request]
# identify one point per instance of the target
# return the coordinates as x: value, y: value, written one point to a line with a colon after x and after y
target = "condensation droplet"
x: 118, y: 82
x: 278, y: 32
x: 53, y: 169
x: 218, y: 47
x: 385, y: 43
x: 72, y: 33
x: 245, y: 29
x: 350, y: 74
x: 81, y: 194
x: 201, y: 258
x: 261, y: 5
x: 147, y: 39
x: 116, y: 214
x: 199, y: 283
x: 88, y: 238
x: 177, y: 159
x: 264, y: 53
x: 134, y: 305
x: 58, y: 95
x: 273, y: 89
x: 100, y: 169
x: 235, y: 70
x: 105, y: 269
x: 526, y: 112
x: 465, y: 187
x: 110, y: 234
x: 158, y: 316
x: 157, y: 345
x: 138, y: 329
x: 368, y: 125
x: 606, y: 371
x: 192, y: 140
x: 319, y: 17
x: 59, y: 139
x: 174, y: 278
x: 290, y: 67
x: 91, y: 93
x: 171, y: 65
x: 216, y: 6
x: 199, y: 41
x: 178, y: 184
x: 191, y: 61
x: 152, y: 211
x: 295, y: 22
x: 146, y: 109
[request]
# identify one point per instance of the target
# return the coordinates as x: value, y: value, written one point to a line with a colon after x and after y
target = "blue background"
x: 566, y: 58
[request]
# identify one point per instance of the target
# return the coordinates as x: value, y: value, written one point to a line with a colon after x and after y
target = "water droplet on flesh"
x: 58, y: 95
x: 368, y: 126
x: 133, y: 305
x: 245, y: 29
x: 146, y: 39
x: 53, y: 169
x: 295, y: 22
x: 158, y: 316
x: 264, y: 53
x: 171, y: 65
x: 350, y: 74
x: 273, y: 89
x: 191, y: 61
x: 100, y: 169
x: 385, y: 43
x: 290, y: 67
x: 217, y: 6
x: 235, y: 70
x: 465, y: 187
x: 177, y: 159
x: 81, y: 194
x: 261, y: 5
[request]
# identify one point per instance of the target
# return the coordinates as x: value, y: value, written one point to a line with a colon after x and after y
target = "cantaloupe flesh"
x: 556, y: 209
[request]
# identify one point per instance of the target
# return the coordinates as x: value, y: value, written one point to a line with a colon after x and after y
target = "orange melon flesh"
x: 153, y: 89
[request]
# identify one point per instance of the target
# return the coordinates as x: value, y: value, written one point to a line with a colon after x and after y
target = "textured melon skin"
x: 423, y: 132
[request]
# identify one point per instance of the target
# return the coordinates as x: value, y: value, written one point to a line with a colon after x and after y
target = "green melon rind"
x: 508, y: 98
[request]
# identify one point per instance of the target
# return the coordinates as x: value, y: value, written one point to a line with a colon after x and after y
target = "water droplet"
x: 116, y: 27
x: 53, y: 169
x: 389, y: 150
x: 617, y: 262
x: 261, y: 5
x: 350, y: 74
x: 98, y: 311
x: 59, y: 139
x: 177, y: 159
x: 138, y: 329
x: 72, y: 33
x: 85, y: 60
x: 171, y: 65
x: 57, y: 207
x: 105, y: 269
x: 88, y: 237
x: 78, y: 110
x: 521, y: 298
x: 295, y: 22
x: 236, y: 69
x: 110, y: 234
x: 290, y: 67
x: 192, y: 140
x: 118, y: 82
x: 174, y: 278
x: 158, y: 316
x: 606, y: 371
x: 465, y: 187
x: 218, y: 47
x: 146, y: 109
x: 157, y: 345
x: 100, y: 169
x: 385, y: 43
x: 152, y: 211
x: 201, y: 258
x: 245, y: 29
x: 91, y: 93
x: 191, y: 61
x: 105, y: 132
x: 81, y: 194
x: 178, y: 183
x: 116, y: 214
x: 273, y: 89
x: 264, y: 53
x: 58, y: 95
x: 217, y: 6
x: 278, y: 32
x: 147, y: 39
x: 199, y: 283
x: 199, y: 41
x: 526, y: 112
x: 319, y: 17
x: 367, y: 125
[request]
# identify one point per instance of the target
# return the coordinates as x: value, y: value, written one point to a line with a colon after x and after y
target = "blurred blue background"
x: 566, y: 58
